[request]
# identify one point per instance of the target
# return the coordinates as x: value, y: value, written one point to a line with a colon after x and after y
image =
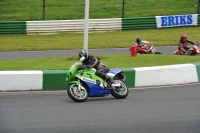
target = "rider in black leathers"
x: 92, y: 62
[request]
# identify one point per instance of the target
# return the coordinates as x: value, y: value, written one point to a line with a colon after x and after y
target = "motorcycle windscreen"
x: 115, y: 71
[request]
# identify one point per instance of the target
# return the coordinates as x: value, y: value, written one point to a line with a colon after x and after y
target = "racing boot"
x: 109, y: 81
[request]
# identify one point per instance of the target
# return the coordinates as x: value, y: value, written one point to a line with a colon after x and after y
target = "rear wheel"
x: 158, y: 53
x: 120, y: 92
x: 77, y: 94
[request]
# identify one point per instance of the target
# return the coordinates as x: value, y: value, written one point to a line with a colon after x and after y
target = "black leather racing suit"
x: 93, y: 62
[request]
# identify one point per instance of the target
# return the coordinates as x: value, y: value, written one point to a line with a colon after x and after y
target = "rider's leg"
x: 183, y: 49
x: 186, y: 48
x: 101, y: 73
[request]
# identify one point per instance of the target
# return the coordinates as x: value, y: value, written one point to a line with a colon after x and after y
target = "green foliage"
x: 21, y: 10
x: 73, y: 57
x: 100, y: 56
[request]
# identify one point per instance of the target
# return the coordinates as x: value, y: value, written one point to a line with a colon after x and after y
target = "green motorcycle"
x: 84, y: 83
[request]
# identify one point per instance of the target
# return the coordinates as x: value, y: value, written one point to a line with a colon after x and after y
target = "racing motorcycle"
x: 150, y: 50
x: 194, y: 50
x: 84, y: 83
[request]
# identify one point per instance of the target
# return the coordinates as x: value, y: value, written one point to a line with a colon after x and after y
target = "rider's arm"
x: 180, y: 45
x: 146, y: 42
x: 93, y: 61
x: 192, y: 42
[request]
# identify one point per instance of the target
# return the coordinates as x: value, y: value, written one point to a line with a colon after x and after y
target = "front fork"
x: 80, y: 87
x: 78, y: 83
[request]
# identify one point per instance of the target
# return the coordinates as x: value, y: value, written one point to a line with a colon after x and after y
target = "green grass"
x: 160, y: 37
x: 120, y: 61
x: 12, y: 10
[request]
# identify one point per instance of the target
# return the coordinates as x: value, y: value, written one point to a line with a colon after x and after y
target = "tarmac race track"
x: 169, y: 109
x: 54, y: 53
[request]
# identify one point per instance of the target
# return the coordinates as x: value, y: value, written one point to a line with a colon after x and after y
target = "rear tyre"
x: 158, y: 53
x: 76, y: 94
x: 120, y: 92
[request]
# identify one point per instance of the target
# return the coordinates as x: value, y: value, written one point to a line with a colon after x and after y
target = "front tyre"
x: 120, y: 92
x: 76, y: 93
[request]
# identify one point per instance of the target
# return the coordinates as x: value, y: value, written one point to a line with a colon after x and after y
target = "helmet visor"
x: 184, y: 39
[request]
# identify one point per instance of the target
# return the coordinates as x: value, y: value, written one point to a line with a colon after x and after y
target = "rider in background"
x: 92, y: 62
x: 141, y: 48
x: 182, y: 45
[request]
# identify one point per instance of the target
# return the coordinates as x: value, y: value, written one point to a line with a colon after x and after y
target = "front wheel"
x: 77, y: 93
x: 119, y: 92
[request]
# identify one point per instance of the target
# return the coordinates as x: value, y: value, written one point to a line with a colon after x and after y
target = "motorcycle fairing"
x: 94, y: 89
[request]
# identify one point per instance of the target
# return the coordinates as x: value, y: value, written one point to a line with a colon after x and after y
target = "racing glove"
x: 86, y: 66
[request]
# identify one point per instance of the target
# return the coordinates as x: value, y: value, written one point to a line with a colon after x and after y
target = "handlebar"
x: 82, y: 67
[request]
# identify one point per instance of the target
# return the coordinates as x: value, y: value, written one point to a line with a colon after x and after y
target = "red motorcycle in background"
x: 194, y: 50
x: 150, y: 50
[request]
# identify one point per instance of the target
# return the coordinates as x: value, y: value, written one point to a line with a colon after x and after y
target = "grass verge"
x: 120, y: 61
x: 20, y: 10
x: 123, y: 39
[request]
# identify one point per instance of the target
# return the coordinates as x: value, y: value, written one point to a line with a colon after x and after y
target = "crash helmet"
x: 138, y: 40
x: 183, y: 36
x: 83, y: 54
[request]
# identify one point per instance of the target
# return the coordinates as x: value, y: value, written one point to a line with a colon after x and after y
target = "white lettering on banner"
x: 176, y: 20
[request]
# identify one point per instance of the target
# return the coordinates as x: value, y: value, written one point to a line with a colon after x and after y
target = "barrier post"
x: 198, y: 12
x: 133, y: 51
x: 43, y: 11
